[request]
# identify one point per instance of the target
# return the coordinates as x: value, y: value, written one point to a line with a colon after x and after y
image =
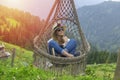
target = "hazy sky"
x: 42, y: 7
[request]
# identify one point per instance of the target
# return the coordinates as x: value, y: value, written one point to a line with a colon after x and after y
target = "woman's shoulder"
x: 51, y: 40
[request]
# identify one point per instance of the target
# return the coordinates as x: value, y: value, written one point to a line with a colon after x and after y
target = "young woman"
x: 61, y: 44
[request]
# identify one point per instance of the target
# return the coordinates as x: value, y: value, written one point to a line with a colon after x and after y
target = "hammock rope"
x: 63, y: 11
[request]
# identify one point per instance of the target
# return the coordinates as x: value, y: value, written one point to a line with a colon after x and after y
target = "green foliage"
x: 19, y: 27
x: 93, y: 72
x: 98, y: 57
x: 25, y: 73
x: 24, y: 70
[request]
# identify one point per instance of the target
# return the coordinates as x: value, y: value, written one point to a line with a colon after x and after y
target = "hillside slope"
x: 24, y: 70
x: 22, y: 56
x: 19, y: 27
x: 101, y: 24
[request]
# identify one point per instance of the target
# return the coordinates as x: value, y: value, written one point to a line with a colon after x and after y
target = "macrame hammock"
x: 63, y: 11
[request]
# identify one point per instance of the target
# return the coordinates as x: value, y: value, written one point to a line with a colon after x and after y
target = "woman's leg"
x: 71, y: 46
x: 55, y: 45
x: 57, y: 48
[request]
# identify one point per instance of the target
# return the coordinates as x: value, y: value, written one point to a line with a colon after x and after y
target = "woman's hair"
x: 54, y: 35
x: 54, y: 28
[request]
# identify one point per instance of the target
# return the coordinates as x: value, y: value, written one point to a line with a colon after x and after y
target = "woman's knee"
x: 73, y: 41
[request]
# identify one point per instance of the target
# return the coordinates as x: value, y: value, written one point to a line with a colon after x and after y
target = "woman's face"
x: 60, y: 31
x: 60, y: 35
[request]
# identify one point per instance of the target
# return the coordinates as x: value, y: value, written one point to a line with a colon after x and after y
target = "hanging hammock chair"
x: 63, y: 11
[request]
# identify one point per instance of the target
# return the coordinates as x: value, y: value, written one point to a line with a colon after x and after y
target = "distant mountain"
x: 101, y: 24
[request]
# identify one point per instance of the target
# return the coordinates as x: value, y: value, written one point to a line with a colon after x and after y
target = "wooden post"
x: 13, y: 57
x: 117, y: 71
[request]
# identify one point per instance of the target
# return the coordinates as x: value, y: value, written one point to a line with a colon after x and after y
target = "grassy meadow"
x: 24, y: 69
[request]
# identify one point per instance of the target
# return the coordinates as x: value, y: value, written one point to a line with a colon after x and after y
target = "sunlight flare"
x: 13, y: 3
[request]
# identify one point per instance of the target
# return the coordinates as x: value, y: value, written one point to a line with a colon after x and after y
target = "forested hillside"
x: 18, y: 27
x: 101, y: 24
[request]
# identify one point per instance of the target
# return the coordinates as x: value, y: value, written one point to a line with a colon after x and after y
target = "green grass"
x: 32, y: 73
x: 22, y: 56
x: 24, y: 70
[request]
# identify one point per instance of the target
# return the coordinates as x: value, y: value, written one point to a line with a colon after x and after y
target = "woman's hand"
x: 65, y: 38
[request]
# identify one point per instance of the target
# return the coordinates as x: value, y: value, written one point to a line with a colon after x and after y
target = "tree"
x: 117, y: 71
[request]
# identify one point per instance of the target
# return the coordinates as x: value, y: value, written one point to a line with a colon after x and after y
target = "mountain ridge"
x: 101, y: 24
